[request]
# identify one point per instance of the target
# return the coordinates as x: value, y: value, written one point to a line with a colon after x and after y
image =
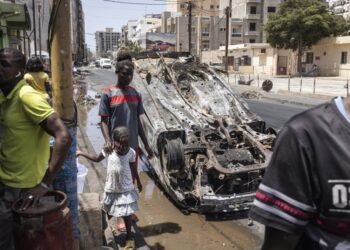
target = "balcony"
x: 253, y: 16
x: 252, y: 33
x: 253, y: 1
x: 236, y: 21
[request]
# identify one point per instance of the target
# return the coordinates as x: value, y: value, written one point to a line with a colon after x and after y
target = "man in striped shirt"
x: 121, y: 105
x: 304, y: 199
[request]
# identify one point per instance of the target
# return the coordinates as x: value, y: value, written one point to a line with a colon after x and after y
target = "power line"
x: 137, y: 3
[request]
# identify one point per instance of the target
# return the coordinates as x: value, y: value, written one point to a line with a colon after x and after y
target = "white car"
x: 105, y: 63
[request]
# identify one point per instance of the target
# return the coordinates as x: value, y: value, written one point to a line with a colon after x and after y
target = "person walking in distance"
x: 121, y: 105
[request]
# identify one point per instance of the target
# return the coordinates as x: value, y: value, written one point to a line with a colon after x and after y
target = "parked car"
x: 106, y: 63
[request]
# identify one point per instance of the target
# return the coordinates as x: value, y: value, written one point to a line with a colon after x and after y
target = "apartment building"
x: 340, y: 7
x: 204, y: 7
x: 131, y: 28
x: 106, y: 41
x: 149, y: 23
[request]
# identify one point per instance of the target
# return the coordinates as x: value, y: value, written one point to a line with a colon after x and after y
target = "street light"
x: 38, y: 2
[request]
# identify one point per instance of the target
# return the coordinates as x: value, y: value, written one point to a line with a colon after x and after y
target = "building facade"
x: 106, y: 42
x: 149, y: 23
x: 204, y: 7
x: 340, y: 7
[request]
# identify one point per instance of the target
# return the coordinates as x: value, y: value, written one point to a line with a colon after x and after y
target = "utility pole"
x: 189, y: 26
x: 39, y: 12
x: 34, y: 26
x: 61, y: 60
x: 200, y: 33
x: 228, y: 14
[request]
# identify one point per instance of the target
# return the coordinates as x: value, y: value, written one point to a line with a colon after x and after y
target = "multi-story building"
x: 106, y: 42
x: 124, y: 36
x: 149, y: 23
x: 204, y: 7
x: 42, y: 19
x: 131, y: 28
x: 340, y: 7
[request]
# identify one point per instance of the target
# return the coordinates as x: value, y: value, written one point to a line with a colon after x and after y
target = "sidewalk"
x: 324, y: 86
x: 281, y: 96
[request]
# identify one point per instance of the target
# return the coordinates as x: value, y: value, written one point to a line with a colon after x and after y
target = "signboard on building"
x: 160, y: 41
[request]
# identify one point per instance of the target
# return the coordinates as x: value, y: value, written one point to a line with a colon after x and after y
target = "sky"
x: 100, y: 14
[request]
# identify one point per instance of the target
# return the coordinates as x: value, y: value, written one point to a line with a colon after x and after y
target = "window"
x: 182, y: 6
x: 211, y: 6
x: 252, y: 9
x: 236, y: 32
x: 271, y: 9
x: 252, y: 26
x: 251, y: 40
x: 344, y: 58
x: 309, y: 57
x: 262, y: 60
x: 193, y: 29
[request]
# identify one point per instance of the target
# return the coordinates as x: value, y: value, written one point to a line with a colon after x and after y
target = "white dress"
x: 120, y: 197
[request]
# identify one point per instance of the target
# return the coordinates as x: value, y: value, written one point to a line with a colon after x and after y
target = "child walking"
x: 120, y: 197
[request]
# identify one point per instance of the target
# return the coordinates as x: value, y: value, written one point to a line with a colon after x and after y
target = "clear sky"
x: 100, y: 14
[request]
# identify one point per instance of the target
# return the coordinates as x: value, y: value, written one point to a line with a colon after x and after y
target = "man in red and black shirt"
x: 304, y: 199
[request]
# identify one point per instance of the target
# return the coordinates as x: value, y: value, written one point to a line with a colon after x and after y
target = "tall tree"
x: 299, y: 24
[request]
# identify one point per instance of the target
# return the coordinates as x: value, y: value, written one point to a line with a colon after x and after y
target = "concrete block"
x: 90, y: 217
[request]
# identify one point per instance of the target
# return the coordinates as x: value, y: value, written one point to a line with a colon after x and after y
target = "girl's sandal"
x: 129, y: 245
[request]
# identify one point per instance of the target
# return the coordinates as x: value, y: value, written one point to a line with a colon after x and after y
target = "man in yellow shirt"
x: 26, y: 121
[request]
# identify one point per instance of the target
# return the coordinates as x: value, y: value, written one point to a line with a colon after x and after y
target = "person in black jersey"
x: 304, y: 198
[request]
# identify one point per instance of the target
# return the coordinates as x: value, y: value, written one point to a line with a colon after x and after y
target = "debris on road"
x: 251, y: 94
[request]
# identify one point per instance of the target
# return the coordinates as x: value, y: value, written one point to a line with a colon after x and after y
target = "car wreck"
x: 211, y: 150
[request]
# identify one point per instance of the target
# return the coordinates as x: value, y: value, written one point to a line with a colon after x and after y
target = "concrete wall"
x: 214, y: 56
x: 327, y: 55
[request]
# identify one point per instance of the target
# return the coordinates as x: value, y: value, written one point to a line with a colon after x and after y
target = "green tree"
x: 299, y: 24
x: 134, y: 46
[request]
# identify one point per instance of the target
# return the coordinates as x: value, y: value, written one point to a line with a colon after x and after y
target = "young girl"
x: 120, y: 197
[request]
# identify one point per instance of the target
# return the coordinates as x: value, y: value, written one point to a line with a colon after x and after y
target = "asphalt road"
x: 275, y: 114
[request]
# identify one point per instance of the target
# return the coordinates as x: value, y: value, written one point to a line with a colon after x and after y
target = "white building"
x: 131, y: 28
x: 149, y: 23
x: 340, y: 7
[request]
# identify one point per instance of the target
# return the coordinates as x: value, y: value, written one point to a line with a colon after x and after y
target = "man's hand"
x: 149, y: 152
x: 139, y: 186
x: 31, y: 196
x: 108, y: 147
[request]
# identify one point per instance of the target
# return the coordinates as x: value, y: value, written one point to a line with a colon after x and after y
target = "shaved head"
x: 15, y: 56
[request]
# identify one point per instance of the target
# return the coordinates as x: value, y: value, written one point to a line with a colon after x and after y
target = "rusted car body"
x: 211, y: 150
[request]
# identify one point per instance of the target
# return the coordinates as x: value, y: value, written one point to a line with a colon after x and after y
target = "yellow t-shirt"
x: 37, y: 80
x: 24, y: 148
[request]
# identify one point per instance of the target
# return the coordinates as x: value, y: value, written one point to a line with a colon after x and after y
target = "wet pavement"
x: 161, y: 223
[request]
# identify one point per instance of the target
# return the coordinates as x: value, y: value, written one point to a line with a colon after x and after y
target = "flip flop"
x: 129, y: 245
x: 121, y: 227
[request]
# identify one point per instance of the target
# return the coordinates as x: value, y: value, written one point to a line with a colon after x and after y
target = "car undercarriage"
x: 211, y: 150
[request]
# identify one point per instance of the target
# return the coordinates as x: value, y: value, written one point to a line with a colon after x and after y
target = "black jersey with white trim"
x: 306, y: 187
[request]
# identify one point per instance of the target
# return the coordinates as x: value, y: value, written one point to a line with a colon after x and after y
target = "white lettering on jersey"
x: 340, y: 195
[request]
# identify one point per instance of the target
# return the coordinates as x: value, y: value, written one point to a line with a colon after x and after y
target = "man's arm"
x: 54, y: 126
x: 143, y: 137
x: 105, y: 133
x: 276, y: 239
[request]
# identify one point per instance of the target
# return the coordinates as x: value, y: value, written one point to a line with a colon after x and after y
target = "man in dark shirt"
x: 304, y: 199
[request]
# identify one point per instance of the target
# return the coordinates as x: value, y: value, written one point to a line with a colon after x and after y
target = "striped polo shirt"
x: 122, y: 106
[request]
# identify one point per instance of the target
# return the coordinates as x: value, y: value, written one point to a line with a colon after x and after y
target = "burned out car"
x: 211, y: 150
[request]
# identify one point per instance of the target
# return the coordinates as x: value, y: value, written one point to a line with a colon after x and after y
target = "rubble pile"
x: 251, y: 94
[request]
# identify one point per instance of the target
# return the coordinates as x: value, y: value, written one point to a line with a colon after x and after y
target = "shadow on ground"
x: 161, y: 228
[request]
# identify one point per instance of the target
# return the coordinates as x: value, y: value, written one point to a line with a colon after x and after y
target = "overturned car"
x: 211, y: 150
